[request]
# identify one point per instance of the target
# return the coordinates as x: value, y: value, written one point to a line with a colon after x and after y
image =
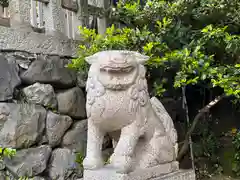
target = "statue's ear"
x: 91, y: 59
x: 140, y: 58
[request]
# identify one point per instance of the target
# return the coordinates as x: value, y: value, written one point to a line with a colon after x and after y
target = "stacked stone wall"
x: 42, y: 115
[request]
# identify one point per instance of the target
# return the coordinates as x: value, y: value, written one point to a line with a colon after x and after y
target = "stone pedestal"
x: 170, y: 170
x: 178, y: 175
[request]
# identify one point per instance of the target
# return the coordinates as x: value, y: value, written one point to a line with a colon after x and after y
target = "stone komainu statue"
x: 118, y: 103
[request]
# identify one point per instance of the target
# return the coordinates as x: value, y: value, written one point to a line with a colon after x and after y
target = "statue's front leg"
x: 93, y: 159
x: 122, y: 156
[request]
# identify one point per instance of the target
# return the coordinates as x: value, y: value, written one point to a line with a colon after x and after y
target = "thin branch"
x: 201, y: 112
x: 185, y: 106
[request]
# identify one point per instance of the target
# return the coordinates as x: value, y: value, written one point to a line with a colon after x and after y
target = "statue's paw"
x: 123, y: 164
x: 93, y: 163
x: 148, y: 163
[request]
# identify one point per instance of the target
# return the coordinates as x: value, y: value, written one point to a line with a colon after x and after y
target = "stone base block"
x: 178, y: 175
x: 170, y: 170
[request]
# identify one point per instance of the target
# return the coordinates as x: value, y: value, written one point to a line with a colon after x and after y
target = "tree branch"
x: 201, y: 112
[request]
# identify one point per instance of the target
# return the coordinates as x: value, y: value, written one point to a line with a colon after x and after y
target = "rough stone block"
x: 154, y: 173
x: 9, y: 78
x: 50, y: 70
x: 71, y: 101
x: 21, y: 40
x: 21, y: 125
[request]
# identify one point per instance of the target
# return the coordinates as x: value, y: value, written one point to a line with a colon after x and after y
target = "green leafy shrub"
x: 7, y: 152
x: 206, y: 150
x: 79, y: 159
x: 200, y: 53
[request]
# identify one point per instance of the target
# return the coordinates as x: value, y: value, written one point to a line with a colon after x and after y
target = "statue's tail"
x: 166, y: 120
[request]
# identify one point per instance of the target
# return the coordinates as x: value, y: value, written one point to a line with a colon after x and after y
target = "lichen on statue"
x: 118, y: 103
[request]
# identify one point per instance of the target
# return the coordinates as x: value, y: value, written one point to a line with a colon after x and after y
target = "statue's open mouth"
x: 117, y: 69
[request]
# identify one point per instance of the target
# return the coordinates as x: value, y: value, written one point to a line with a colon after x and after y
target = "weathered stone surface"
x: 56, y: 125
x: 179, y: 175
x: 72, y: 103
x: 63, y: 165
x: 9, y: 78
x: 23, y: 59
x: 18, y: 39
x: 43, y: 140
x: 29, y: 162
x: 76, y: 138
x: 42, y: 94
x: 145, y: 174
x: 20, y: 124
x: 81, y: 79
x: 50, y: 70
